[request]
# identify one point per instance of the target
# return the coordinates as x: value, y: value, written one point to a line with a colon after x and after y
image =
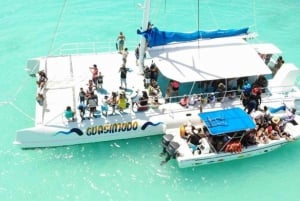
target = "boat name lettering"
x: 112, y: 128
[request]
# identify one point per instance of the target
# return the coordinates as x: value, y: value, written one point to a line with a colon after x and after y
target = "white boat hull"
x: 186, y: 158
x: 50, y: 136
x: 212, y: 158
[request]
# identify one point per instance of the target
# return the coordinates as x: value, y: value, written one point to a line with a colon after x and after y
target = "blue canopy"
x: 227, y: 121
x: 156, y: 37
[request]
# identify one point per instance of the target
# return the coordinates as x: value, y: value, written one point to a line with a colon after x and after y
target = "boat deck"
x: 67, y: 74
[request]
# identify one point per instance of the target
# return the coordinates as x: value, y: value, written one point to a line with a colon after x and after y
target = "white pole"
x: 143, y: 42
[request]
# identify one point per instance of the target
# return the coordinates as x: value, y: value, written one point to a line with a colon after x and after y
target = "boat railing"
x: 90, y: 47
x: 232, y: 98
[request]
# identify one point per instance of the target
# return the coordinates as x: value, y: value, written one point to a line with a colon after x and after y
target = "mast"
x: 143, y: 42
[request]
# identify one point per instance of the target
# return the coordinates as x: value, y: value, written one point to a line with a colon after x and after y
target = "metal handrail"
x: 89, y: 47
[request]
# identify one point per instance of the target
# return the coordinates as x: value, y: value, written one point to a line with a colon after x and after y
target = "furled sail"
x: 156, y: 37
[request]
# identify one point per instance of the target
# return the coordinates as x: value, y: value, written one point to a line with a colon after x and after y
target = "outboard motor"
x: 166, y: 139
x: 172, y: 149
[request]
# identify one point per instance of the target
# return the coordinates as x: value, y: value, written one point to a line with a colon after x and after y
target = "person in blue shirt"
x: 69, y: 114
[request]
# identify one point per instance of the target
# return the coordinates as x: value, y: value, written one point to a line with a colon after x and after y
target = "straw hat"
x: 275, y: 120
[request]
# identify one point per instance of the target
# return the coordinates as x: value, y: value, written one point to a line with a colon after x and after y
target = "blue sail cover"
x: 155, y: 37
x: 227, y: 121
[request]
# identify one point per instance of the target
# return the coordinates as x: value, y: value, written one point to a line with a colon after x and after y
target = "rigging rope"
x: 57, y: 26
x: 254, y: 15
x: 198, y: 23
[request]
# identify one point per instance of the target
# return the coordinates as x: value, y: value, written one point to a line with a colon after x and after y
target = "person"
x: 81, y: 108
x: 124, y: 56
x: 113, y: 102
x: 221, y: 91
x: 246, y: 88
x: 42, y: 79
x: 40, y: 99
x: 82, y: 96
x: 94, y: 70
x: 154, y: 89
x: 261, y: 116
x: 193, y: 99
x: 193, y: 141
x: 147, y: 77
x: 175, y: 87
x: 186, y: 130
x: 135, y: 96
x: 271, y: 133
x: 92, y: 103
x: 69, y: 114
x: 89, y: 92
x: 279, y: 63
x: 90, y: 84
x: 254, y: 100
x: 99, y: 80
x: 122, y: 102
x: 143, y: 101
x: 89, y: 89
x: 290, y: 114
x: 137, y: 54
x: 104, y: 106
x: 123, y: 75
x: 184, y: 101
x: 153, y: 71
x: 121, y: 42
x: 211, y: 98
x: 182, y: 131
x: 261, y: 82
x: 261, y: 136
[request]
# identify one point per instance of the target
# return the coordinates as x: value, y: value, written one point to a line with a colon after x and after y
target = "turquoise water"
x: 129, y: 169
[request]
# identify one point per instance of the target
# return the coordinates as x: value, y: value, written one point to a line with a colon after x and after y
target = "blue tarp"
x: 227, y: 120
x: 156, y: 37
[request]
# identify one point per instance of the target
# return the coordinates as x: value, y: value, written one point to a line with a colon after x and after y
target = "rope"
x: 24, y: 83
x: 21, y: 111
x: 254, y: 15
x: 198, y: 22
x: 57, y: 26
x: 11, y: 101
x: 213, y: 16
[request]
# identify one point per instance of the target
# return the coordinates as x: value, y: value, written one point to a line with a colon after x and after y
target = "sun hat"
x: 275, y: 120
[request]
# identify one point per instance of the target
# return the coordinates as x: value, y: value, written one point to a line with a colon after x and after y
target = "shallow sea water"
x: 130, y: 169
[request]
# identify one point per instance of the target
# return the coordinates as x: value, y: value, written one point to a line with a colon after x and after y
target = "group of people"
x: 97, y: 76
x: 268, y: 127
x: 116, y: 100
x: 120, y: 45
x: 41, y: 82
x: 88, y: 99
x: 272, y: 127
x: 251, y: 98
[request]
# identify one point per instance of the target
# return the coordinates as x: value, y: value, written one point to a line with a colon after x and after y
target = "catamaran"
x: 180, y: 65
